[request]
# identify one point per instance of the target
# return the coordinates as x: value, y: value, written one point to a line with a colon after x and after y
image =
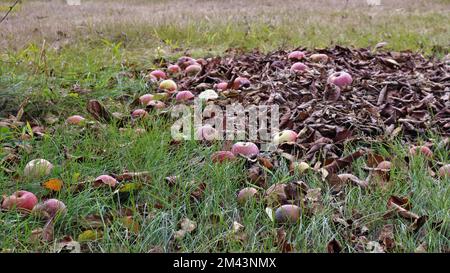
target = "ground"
x: 55, y: 58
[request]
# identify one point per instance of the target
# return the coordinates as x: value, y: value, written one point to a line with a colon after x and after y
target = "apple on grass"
x: 158, y: 74
x: 38, y: 168
x: 168, y: 85
x: 296, y: 55
x: 247, y: 149
x: 285, y: 136
x: 75, y: 120
x: 23, y: 200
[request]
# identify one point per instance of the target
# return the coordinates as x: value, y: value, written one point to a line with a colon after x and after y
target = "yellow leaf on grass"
x: 53, y: 184
x: 89, y: 235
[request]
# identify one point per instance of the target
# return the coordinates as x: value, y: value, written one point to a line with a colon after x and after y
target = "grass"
x: 44, y: 73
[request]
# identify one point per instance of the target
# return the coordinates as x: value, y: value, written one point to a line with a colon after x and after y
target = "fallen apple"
x: 106, y: 179
x: 75, y: 120
x: 287, y: 214
x: 24, y: 200
x: 206, y: 132
x: 444, y: 171
x: 37, y: 168
x: 145, y: 99
x: 285, y: 136
x: 221, y: 86
x: 319, y: 58
x: 184, y: 96
x: 247, y: 149
x: 185, y: 61
x: 296, y: 55
x: 241, y: 82
x: 246, y: 194
x: 193, y: 69
x: 424, y: 150
x: 174, y: 69
x: 50, y: 208
x: 168, y: 85
x: 139, y: 113
x: 340, y: 79
x: 298, y: 67
x: 158, y: 74
x: 157, y: 104
x: 221, y: 156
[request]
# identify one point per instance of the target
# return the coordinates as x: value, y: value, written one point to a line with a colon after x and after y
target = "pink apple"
x: 319, y: 58
x: 185, y: 61
x: 174, y: 69
x: 37, y: 168
x: 184, y: 96
x: 139, y: 113
x: 241, y: 82
x: 52, y: 207
x: 158, y: 74
x: 444, y: 171
x: 168, y: 85
x: 298, y: 67
x: 157, y: 104
x: 75, y: 120
x: 222, y: 86
x: 21, y: 200
x: 424, y: 150
x: 221, y: 156
x: 248, y: 149
x: 285, y: 136
x: 106, y: 179
x: 246, y: 194
x: 296, y: 55
x: 340, y: 79
x: 206, y: 132
x: 145, y: 99
x: 193, y: 69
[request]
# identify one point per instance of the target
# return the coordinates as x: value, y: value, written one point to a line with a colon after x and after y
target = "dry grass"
x: 202, y: 22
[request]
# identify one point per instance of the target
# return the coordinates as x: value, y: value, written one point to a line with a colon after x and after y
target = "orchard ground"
x: 48, y: 47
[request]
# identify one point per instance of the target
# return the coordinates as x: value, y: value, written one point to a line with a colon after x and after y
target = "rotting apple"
x: 246, y: 194
x: 221, y: 86
x: 287, y: 214
x: 241, y: 82
x: 157, y: 104
x: 247, y: 149
x: 319, y: 58
x: 221, y: 156
x: 206, y: 132
x: 168, y: 85
x: 193, y: 69
x: 105, y: 179
x: 299, y: 67
x: 51, y: 207
x: 24, y: 200
x: 174, y: 69
x: 184, y: 96
x: 75, y: 120
x: 296, y: 55
x: 38, y: 168
x: 146, y: 98
x: 424, y: 150
x: 340, y: 79
x: 185, y: 61
x: 158, y: 74
x: 285, y: 136
x: 139, y: 113
x: 444, y: 171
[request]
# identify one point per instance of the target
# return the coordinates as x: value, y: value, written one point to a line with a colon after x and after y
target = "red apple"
x: 241, y: 82
x: 296, y: 55
x: 51, y: 207
x: 168, y: 85
x: 340, y: 79
x: 248, y: 149
x: 298, y: 67
x: 222, y: 86
x: 158, y: 74
x: 106, y: 179
x: 145, y: 99
x: 174, y: 69
x: 184, y: 96
x: 75, y: 120
x: 37, y: 168
x: 21, y: 200
x: 206, y: 132
x: 319, y: 58
x: 444, y: 171
x: 246, y: 194
x: 221, y: 156
x: 424, y: 150
x: 285, y: 136
x: 193, y: 69
x: 139, y: 113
